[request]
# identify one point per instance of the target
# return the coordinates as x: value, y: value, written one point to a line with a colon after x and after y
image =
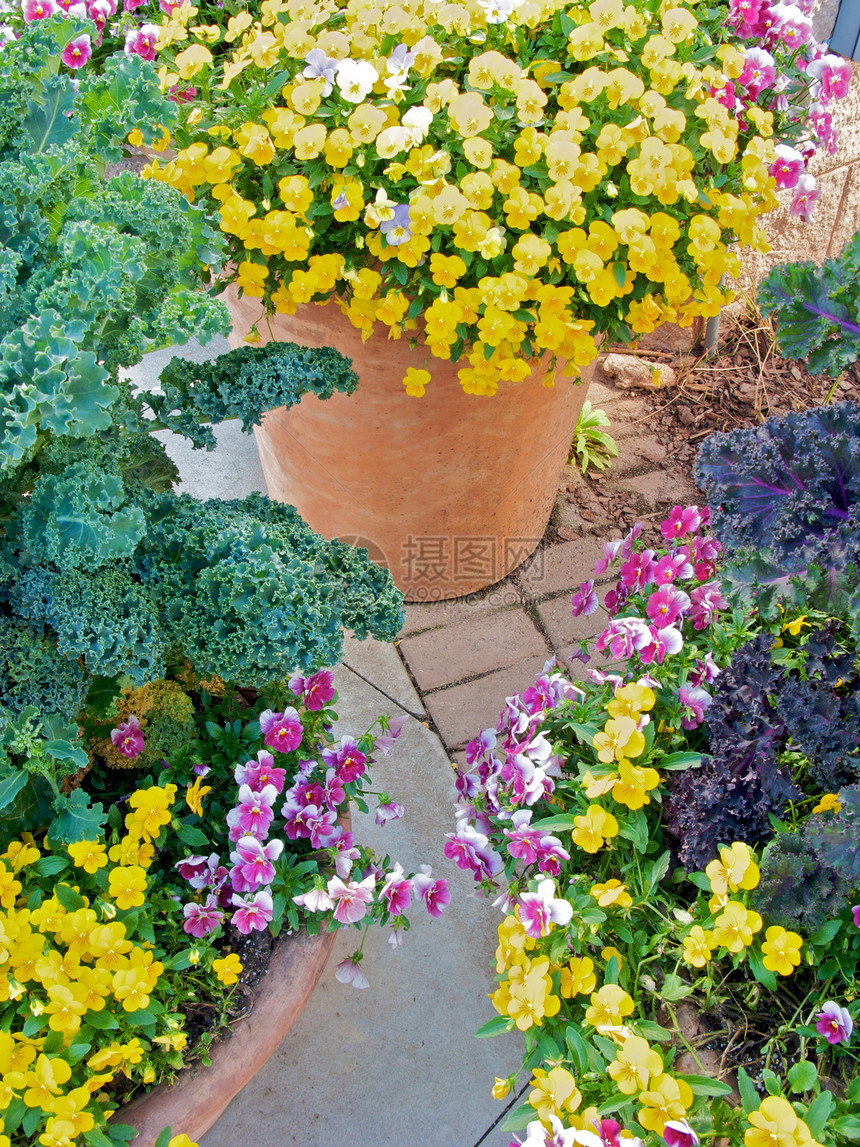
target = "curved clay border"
x: 201, y: 1094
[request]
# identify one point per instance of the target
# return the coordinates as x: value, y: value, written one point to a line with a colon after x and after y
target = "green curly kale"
x: 245, y: 383
x: 817, y: 310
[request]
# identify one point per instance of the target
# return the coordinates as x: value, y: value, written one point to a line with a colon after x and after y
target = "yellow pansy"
x: 781, y: 950
x: 634, y: 1065
x: 553, y: 1092
x: 734, y: 927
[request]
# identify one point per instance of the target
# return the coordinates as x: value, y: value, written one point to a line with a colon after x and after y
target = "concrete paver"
x: 397, y: 1063
x: 561, y: 567
x: 432, y: 615
x: 462, y: 711
x: 443, y: 656
x: 562, y: 627
x: 379, y: 663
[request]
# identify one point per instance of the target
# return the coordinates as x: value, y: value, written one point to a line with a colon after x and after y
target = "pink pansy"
x: 349, y: 971
x: 788, y: 166
x: 252, y: 915
x: 351, y: 900
x: 257, y: 774
x: 792, y: 26
x: 316, y: 900
x: 482, y: 744
x: 681, y: 521
x: 584, y: 602
x: 806, y: 195
x: 281, y: 731
x: 319, y: 690
x: 635, y: 571
x: 665, y: 641
x: 99, y: 11
x: 77, y: 52
x: 834, y: 1023
x: 759, y: 71
x: 679, y: 1133
x: 191, y: 868
x: 346, y: 758
x: 706, y: 672
x: 333, y: 794
x: 706, y: 602
x: 434, y: 893
x: 855, y: 912
x: 469, y: 849
x: 253, y: 813
x: 559, y: 1135
x: 666, y: 605
x: 551, y: 855
x: 384, y: 743
x: 201, y: 919
x: 344, y: 855
x: 33, y: 10
x: 323, y: 827
x: 610, y: 553
x: 694, y: 701
x: 141, y: 41
x: 629, y: 538
x: 297, y: 818
x: 254, y: 863
x: 523, y: 840
x: 128, y: 738
x: 396, y: 891
x: 388, y: 810
x: 624, y: 636
x: 833, y: 75
x: 670, y: 567
x: 538, y: 910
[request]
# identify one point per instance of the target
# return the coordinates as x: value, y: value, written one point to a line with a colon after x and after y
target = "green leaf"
x: 749, y: 1095
x: 76, y: 820
x: 49, y: 865
x: 102, y: 1021
x: 520, y: 1119
x: 163, y: 1139
x: 676, y: 761
x: 496, y: 1026
x: 655, y: 871
x: 98, y: 1138
x: 822, y: 936
x: 635, y: 829
x: 48, y: 122
x: 578, y: 1049
x: 848, y: 1127
x: 704, y: 1085
x: 69, y: 899
x: 11, y: 782
x: 802, y: 1076
x: 563, y: 821
x: 649, y: 1030
x: 818, y: 1113
x: 63, y: 751
x: 674, y: 988
x: 192, y: 835
x: 122, y: 1132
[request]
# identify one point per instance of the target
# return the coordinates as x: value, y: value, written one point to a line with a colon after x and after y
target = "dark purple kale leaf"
x: 836, y: 836
x: 796, y: 889
x: 825, y: 726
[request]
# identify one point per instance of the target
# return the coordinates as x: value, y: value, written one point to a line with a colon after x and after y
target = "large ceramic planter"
x: 200, y: 1094
x: 451, y: 491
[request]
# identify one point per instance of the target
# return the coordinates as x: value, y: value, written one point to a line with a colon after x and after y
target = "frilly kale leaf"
x: 786, y: 503
x: 836, y: 837
x: 34, y: 672
x: 796, y: 889
x: 817, y: 310
x: 244, y: 384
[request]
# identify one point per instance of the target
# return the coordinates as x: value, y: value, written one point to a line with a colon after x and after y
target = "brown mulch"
x: 742, y: 385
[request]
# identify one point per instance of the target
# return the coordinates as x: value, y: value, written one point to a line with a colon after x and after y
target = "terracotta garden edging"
x: 201, y: 1094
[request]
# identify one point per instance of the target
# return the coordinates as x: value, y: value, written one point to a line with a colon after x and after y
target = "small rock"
x: 587, y: 514
x: 686, y: 416
x: 627, y: 371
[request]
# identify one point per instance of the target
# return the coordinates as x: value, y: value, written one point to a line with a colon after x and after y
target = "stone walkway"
x: 397, y: 1065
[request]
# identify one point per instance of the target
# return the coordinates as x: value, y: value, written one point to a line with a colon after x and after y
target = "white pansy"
x: 355, y: 79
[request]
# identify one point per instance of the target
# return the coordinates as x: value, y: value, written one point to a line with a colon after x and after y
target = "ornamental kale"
x: 818, y: 310
x: 786, y: 503
x: 765, y: 716
x: 104, y: 571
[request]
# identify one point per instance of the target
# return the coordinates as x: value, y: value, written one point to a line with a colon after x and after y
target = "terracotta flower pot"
x: 451, y: 491
x: 200, y: 1094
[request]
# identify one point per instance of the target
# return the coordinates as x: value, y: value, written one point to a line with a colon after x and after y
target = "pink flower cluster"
x: 803, y: 79
x: 106, y: 17
x: 310, y: 808
x: 514, y: 766
x: 127, y: 737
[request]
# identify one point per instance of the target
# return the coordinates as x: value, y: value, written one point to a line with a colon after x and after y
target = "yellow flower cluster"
x: 735, y: 925
x: 70, y: 961
x: 520, y: 190
x: 619, y: 740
